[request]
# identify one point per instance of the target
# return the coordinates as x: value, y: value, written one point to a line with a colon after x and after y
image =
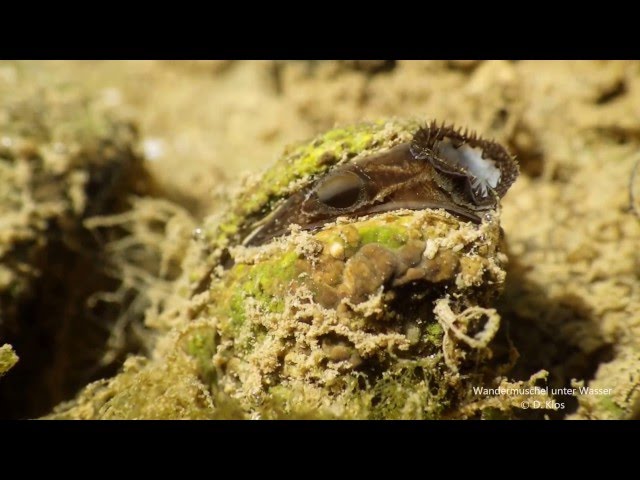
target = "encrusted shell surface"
x: 333, y: 316
x: 340, y: 321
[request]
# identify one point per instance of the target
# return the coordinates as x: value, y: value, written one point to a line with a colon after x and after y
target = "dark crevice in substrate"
x: 616, y: 91
x: 546, y: 331
x: 60, y: 340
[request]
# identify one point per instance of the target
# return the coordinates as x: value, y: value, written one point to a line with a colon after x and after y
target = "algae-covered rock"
x: 353, y: 279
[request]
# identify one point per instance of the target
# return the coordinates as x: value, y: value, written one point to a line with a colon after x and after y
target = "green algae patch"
x: 266, y: 279
x: 417, y: 390
x: 611, y: 407
x: 265, y: 282
x: 257, y: 289
x: 387, y: 235
x: 434, y: 334
x: 309, y: 159
x: 8, y: 359
x: 201, y: 345
x: 167, y: 390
